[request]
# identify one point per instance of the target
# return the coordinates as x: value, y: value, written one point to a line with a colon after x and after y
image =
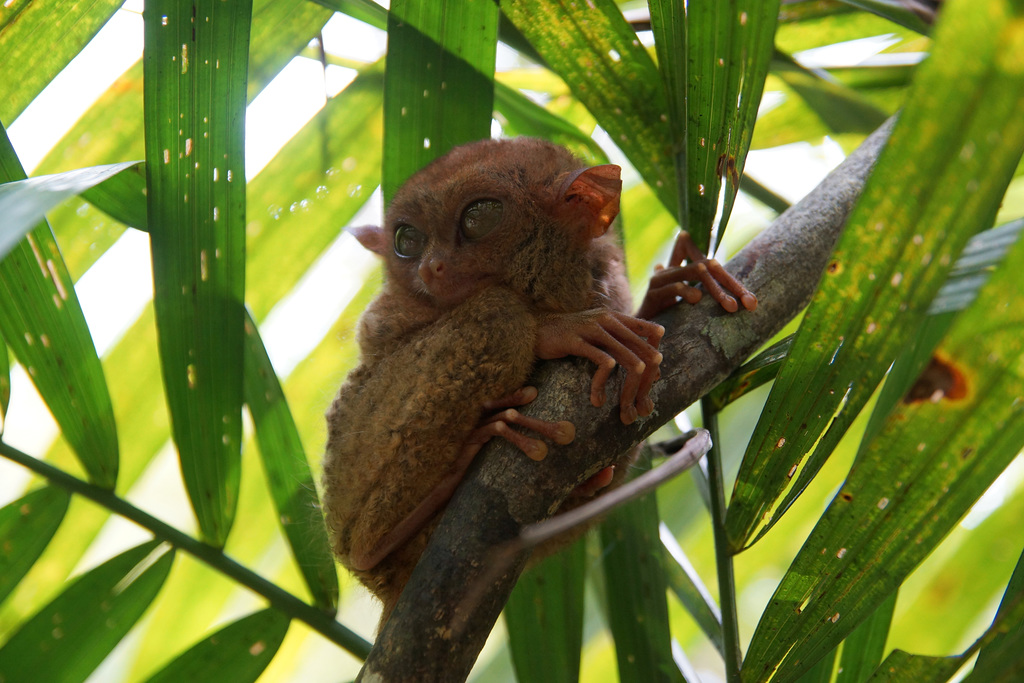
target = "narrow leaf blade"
x: 902, y: 238
x: 195, y: 74
x: 590, y: 45
x: 288, y: 475
x: 37, y: 48
x: 70, y: 636
x: 439, y: 85
x: 24, y: 203
x: 26, y: 527
x: 864, y: 647
x: 729, y: 47
x: 237, y: 653
x: 908, y: 487
x: 637, y: 598
x: 544, y: 616
x: 42, y: 321
x: 684, y: 581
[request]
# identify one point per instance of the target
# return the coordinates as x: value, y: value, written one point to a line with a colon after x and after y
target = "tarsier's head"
x: 518, y: 212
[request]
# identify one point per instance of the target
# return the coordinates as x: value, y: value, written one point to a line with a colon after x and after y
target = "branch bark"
x: 445, y: 613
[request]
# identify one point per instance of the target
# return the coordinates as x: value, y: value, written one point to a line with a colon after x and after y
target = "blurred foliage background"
x: 168, y: 532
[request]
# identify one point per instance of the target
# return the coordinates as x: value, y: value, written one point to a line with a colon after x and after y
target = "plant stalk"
x: 278, y: 598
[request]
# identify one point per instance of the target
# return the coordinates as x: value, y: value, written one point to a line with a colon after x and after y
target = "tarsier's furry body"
x: 496, y: 254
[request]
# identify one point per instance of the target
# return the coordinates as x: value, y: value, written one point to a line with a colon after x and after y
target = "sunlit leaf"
x: 26, y: 527
x: 544, y: 616
x: 523, y: 116
x: 900, y: 242
x: 729, y: 46
x: 895, y: 11
x: 669, y: 25
x: 299, y: 203
x: 843, y: 109
x: 439, y: 86
x: 936, y: 454
x: 70, y: 636
x: 238, y: 653
x: 684, y: 581
x: 122, y: 197
x: 112, y: 129
x: 287, y: 472
x: 36, y: 47
x: 24, y: 203
x: 195, y: 67
x: 42, y: 321
x: 364, y: 10
x: 280, y: 29
x: 864, y: 647
x: 598, y: 55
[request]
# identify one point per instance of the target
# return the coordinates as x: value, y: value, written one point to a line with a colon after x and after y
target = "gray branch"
x: 457, y: 592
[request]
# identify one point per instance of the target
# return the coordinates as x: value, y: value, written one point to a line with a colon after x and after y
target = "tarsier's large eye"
x: 481, y: 217
x: 409, y: 241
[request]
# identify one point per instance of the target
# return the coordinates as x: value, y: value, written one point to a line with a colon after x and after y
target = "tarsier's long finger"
x: 535, y: 449
x: 685, y: 247
x: 560, y: 432
x: 519, y: 397
x: 632, y: 363
x: 717, y: 292
x: 715, y: 278
x: 627, y: 330
x: 652, y: 332
x: 718, y: 274
x: 577, y: 346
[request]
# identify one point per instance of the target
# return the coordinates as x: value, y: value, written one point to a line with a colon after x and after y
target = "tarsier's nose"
x: 432, y: 269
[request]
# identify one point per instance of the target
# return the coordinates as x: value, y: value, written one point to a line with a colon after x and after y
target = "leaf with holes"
x: 195, y: 73
x: 68, y: 638
x: 237, y: 653
x: 938, y: 182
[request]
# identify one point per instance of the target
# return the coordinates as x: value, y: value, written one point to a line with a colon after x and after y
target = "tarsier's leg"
x: 495, y: 425
x: 668, y: 283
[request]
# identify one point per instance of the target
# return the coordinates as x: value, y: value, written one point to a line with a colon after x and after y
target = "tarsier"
x: 496, y: 255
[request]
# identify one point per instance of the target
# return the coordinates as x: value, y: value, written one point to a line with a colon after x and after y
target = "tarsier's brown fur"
x: 455, y: 333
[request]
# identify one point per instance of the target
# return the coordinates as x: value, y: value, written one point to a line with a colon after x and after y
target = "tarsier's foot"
x: 608, y: 338
x: 498, y: 425
x: 668, y: 285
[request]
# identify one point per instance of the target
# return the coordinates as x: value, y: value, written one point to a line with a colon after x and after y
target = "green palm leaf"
x: 195, y: 65
x: 900, y: 242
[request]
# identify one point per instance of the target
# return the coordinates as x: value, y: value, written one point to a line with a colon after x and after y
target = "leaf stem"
x: 278, y: 598
x: 723, y: 557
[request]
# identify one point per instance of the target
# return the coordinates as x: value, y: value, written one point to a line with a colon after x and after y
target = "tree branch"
x: 445, y: 614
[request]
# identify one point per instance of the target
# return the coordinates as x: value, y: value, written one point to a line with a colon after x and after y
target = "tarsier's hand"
x: 668, y: 284
x: 608, y: 338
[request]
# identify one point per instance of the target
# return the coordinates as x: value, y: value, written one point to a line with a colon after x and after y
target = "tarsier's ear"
x: 594, y: 195
x: 372, y: 237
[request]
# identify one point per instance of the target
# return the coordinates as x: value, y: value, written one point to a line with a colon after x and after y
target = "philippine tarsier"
x: 496, y: 255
